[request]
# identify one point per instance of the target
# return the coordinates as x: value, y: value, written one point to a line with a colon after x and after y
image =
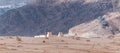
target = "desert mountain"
x: 106, y: 26
x: 51, y: 15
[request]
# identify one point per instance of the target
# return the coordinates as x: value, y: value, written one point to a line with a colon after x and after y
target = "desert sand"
x: 12, y: 44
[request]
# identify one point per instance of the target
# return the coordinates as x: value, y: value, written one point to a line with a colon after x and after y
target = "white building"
x: 40, y: 36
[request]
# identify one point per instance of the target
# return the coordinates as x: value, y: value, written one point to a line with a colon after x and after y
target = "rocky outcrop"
x: 102, y: 27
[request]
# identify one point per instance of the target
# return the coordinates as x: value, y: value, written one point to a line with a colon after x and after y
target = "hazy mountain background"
x: 6, y: 5
x: 55, y: 16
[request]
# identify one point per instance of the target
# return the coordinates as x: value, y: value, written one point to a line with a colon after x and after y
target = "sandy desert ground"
x: 10, y: 44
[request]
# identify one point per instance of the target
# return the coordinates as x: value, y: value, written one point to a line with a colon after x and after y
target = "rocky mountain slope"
x: 39, y: 18
x: 108, y: 27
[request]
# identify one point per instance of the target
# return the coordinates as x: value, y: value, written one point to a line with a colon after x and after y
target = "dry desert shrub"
x: 66, y: 43
x: 88, y: 40
x: 2, y: 43
x: 111, y: 37
x: 62, y: 40
x: 10, y: 37
x: 88, y: 51
x: 66, y: 46
x: 13, y: 49
x: 1, y: 39
x: 77, y: 38
x: 19, y: 46
x: 36, y: 49
x: 18, y: 38
x: 72, y: 37
x: 106, y: 47
x: 43, y: 41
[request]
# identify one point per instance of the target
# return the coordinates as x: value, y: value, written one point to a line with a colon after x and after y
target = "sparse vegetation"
x: 18, y: 38
x: 44, y: 41
x: 66, y: 46
x: 88, y: 40
x: 19, y: 46
x: 77, y: 38
x: 10, y: 37
x: 13, y: 49
x: 62, y: 40
x: 2, y: 43
x: 1, y: 39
